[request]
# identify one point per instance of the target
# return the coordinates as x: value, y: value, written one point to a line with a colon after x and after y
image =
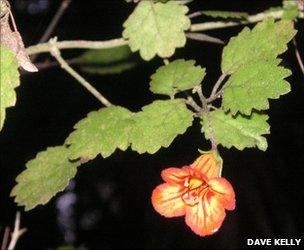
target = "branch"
x: 54, y: 50
x: 76, y: 44
x: 5, y: 238
x: 250, y: 19
x: 59, y: 13
x: 298, y: 56
x: 16, y: 233
x: 215, y: 93
x: 193, y: 104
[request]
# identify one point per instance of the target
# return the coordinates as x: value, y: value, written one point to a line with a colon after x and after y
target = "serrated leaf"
x: 177, y: 76
x: 252, y: 85
x: 101, y: 132
x: 156, y: 28
x: 225, y: 14
x: 46, y: 175
x: 265, y: 41
x: 8, y: 82
x: 238, y: 131
x: 158, y: 124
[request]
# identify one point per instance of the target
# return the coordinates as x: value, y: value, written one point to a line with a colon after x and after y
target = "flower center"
x: 194, y: 188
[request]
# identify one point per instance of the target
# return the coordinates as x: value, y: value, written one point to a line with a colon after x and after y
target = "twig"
x: 59, y: 13
x: 214, y: 92
x: 56, y: 53
x: 16, y: 233
x: 199, y: 91
x: 5, y: 238
x: 77, y: 44
x: 250, y: 19
x: 193, y: 104
x: 298, y: 56
x: 63, y: 6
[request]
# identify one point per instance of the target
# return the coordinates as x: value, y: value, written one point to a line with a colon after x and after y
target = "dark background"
x: 113, y: 208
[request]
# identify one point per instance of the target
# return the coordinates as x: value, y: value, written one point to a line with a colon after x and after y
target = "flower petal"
x: 175, y: 175
x: 166, y: 200
x: 223, y: 191
x: 206, y: 217
x: 209, y: 164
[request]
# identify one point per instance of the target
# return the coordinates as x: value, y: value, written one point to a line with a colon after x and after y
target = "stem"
x: 298, y: 56
x: 206, y: 110
x: 59, y: 13
x: 56, y: 53
x: 76, y: 44
x: 250, y: 19
x: 5, y: 238
x: 63, y: 6
x: 16, y: 233
x: 193, y: 104
x: 215, y: 92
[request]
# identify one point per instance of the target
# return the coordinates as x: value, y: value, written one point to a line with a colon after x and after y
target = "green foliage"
x: 156, y: 28
x: 265, y: 41
x: 252, y: 85
x: 44, y: 176
x: 177, y: 76
x: 238, y: 131
x: 107, y: 61
x: 105, y: 56
x: 225, y: 14
x: 115, y: 127
x: 9, y: 81
x: 158, y: 124
x: 101, y: 132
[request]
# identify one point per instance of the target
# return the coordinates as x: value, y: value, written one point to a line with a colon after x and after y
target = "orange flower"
x: 197, y: 192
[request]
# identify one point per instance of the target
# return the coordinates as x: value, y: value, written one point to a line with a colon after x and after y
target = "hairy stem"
x: 56, y: 53
x: 222, y: 24
x: 215, y: 93
x: 76, y: 44
x: 16, y: 234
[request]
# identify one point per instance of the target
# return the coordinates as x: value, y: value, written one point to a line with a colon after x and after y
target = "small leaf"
x: 225, y: 14
x: 158, y: 124
x: 46, y: 175
x: 238, y: 131
x: 9, y: 81
x: 252, y: 85
x: 177, y: 76
x: 156, y: 28
x: 107, y: 61
x: 266, y: 40
x: 110, y: 69
x: 105, y: 56
x: 101, y: 132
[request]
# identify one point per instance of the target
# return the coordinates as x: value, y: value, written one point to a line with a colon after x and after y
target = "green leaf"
x: 238, y: 131
x: 225, y: 14
x: 252, y: 85
x: 105, y: 56
x: 265, y: 41
x: 8, y: 82
x: 156, y: 28
x: 46, y: 175
x: 107, y: 61
x: 158, y: 124
x: 109, y: 70
x: 177, y: 76
x: 101, y: 132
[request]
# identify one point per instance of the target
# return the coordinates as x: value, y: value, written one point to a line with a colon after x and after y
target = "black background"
x: 269, y: 186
